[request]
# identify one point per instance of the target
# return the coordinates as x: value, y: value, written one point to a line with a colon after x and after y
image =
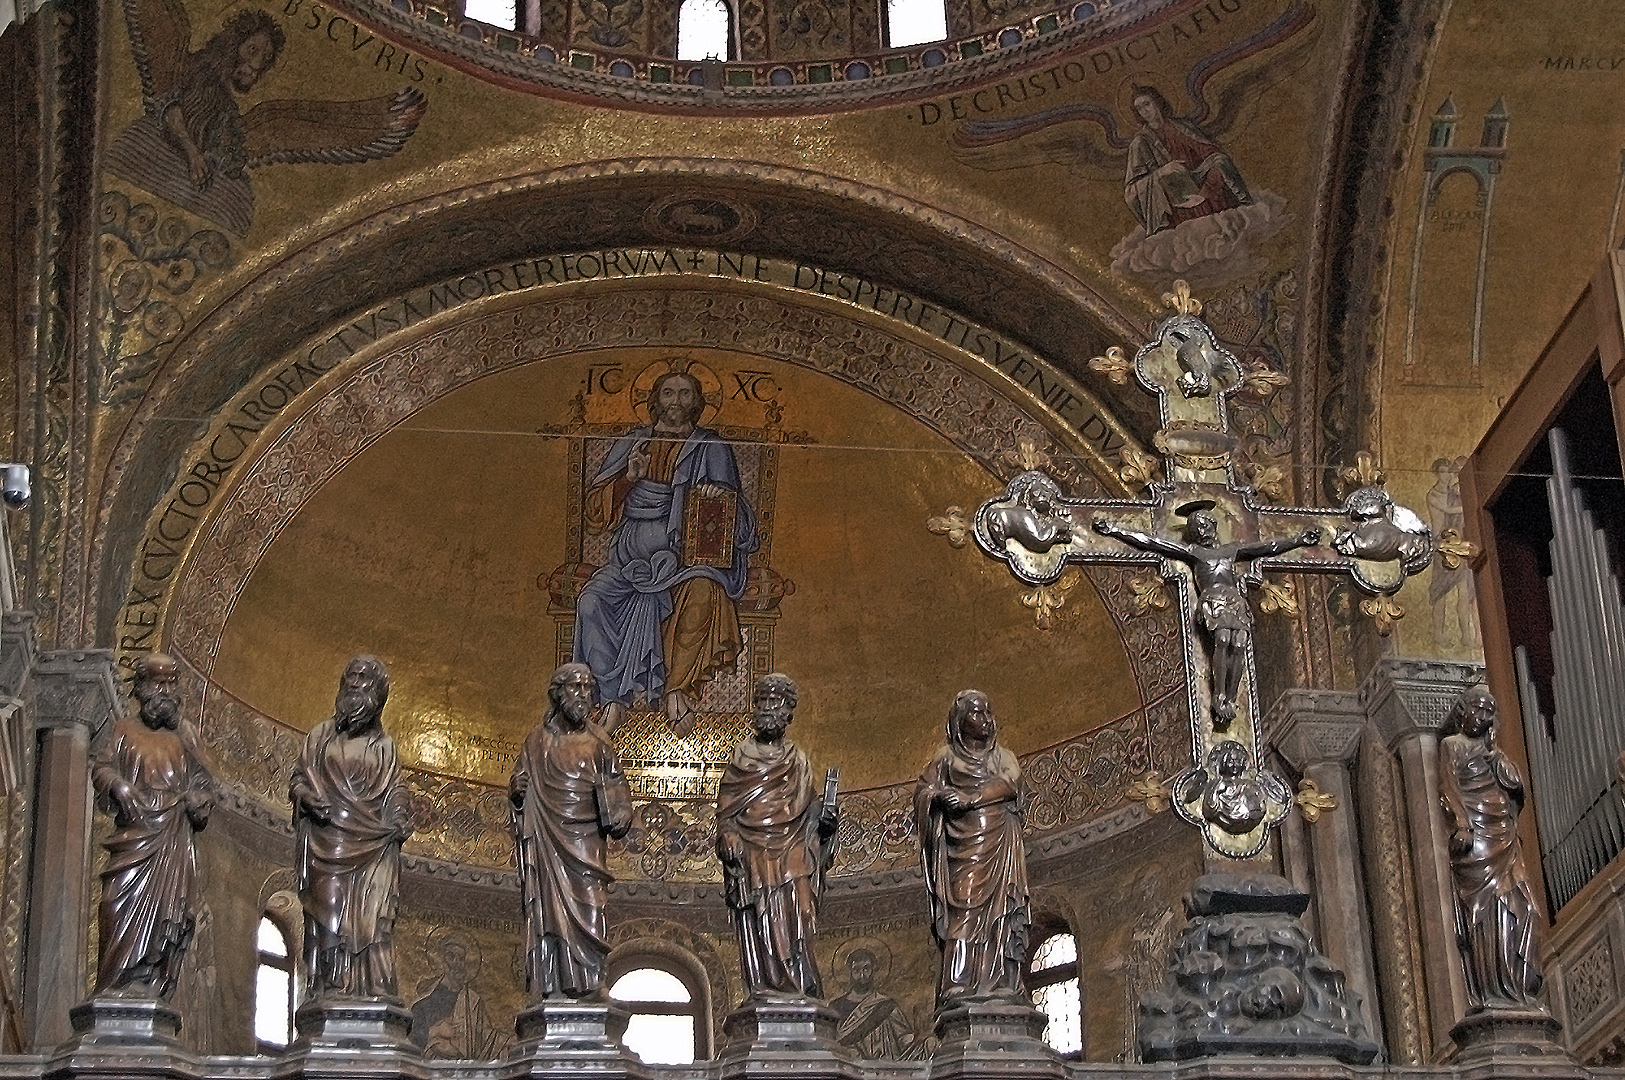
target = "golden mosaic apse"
x: 453, y: 547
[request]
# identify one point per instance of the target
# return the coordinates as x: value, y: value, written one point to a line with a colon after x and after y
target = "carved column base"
x: 353, y: 1024
x: 767, y: 1039
x: 1508, y: 1032
x: 586, y: 1026
x: 124, y: 1021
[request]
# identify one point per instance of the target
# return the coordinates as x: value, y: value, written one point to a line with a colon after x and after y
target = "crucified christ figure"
x: 1221, y: 599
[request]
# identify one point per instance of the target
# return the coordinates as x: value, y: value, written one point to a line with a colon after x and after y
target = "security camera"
x: 14, y: 488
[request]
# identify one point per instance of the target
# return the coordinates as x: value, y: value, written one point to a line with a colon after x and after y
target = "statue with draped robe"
x: 351, y: 816
x: 567, y: 793
x: 776, y: 840
x: 968, y: 806
x: 1497, y: 920
x: 152, y: 777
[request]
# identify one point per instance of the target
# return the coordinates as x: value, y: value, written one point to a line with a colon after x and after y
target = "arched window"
x: 914, y: 22
x: 662, y: 1029
x: 492, y: 12
x: 1052, y: 977
x: 705, y: 30
x: 273, y: 990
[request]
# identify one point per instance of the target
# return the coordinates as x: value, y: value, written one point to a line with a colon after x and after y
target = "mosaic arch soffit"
x: 386, y: 383
x: 320, y: 281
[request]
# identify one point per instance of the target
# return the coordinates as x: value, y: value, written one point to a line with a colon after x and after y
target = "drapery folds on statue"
x: 152, y: 777
x: 776, y: 840
x: 968, y: 806
x: 1497, y: 920
x: 351, y: 817
x: 567, y: 793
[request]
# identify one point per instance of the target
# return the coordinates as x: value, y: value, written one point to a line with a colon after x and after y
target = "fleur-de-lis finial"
x: 1150, y: 791
x: 1278, y: 598
x: 1312, y: 801
x: 1181, y: 299
x: 1115, y: 365
x: 953, y: 524
x: 1138, y: 469
x: 1453, y: 550
x: 1027, y: 456
x: 1383, y: 611
x: 1363, y: 473
x: 1046, y: 599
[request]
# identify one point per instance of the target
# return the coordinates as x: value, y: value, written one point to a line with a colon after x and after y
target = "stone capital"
x: 76, y: 688
x: 1409, y: 696
x: 19, y: 651
x: 1313, y: 727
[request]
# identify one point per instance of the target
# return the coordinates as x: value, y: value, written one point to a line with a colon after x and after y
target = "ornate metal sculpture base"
x: 1507, y: 1032
x: 125, y: 1021
x: 570, y: 1025
x: 1003, y: 1029
x: 1244, y: 978
x: 353, y: 1024
x: 782, y: 1040
x: 791, y: 1025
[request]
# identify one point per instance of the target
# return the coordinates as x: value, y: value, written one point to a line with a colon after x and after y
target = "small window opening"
x: 273, y: 991
x: 661, y: 1030
x: 1052, y: 977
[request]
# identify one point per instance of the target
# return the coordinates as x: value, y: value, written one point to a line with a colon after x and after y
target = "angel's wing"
x: 160, y: 35
x: 1236, y: 85
x: 1081, y: 134
x: 331, y: 132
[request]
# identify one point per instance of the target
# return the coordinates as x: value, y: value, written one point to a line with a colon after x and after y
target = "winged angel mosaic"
x: 194, y: 146
x: 1196, y: 214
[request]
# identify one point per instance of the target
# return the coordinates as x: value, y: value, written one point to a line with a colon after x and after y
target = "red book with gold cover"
x: 708, y: 529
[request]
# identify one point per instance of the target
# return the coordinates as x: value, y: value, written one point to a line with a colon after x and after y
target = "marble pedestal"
x: 579, y: 1039
x: 993, y: 1038
x: 125, y: 1022
x: 1490, y: 1034
x: 570, y: 1025
x: 353, y: 1024
x: 793, y: 1037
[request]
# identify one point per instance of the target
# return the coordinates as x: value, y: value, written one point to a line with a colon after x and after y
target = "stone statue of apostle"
x: 351, y: 817
x: 151, y: 776
x: 567, y: 793
x: 776, y: 840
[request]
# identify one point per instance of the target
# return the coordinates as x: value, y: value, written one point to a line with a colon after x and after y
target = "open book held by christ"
x: 708, y: 529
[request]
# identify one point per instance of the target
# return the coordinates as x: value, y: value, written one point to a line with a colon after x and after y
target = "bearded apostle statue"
x: 351, y: 817
x: 152, y: 777
x: 568, y: 794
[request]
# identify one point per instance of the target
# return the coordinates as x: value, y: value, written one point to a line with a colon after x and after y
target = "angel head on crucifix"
x: 1221, y: 598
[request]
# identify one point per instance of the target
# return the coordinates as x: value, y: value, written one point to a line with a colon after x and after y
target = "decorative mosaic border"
x: 842, y: 82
